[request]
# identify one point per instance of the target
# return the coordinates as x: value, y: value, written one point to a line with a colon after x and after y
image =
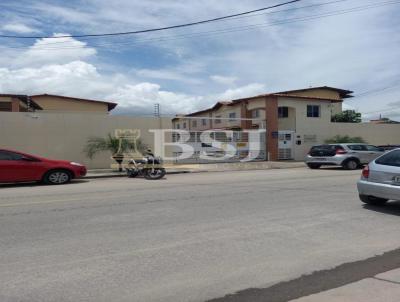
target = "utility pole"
x: 28, y: 103
x: 158, y: 114
x: 157, y: 110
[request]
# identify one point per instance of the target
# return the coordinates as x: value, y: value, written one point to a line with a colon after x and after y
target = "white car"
x: 380, y: 180
x: 349, y: 156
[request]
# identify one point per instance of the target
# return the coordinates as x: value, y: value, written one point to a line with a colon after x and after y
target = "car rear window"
x: 357, y: 147
x: 390, y: 159
x: 326, y: 147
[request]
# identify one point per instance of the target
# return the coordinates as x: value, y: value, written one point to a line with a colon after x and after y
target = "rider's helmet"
x: 149, y: 152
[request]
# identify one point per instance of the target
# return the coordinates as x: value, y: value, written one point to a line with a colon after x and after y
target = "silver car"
x: 380, y: 180
x: 349, y: 156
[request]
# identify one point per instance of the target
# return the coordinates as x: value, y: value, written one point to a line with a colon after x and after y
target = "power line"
x: 374, y: 91
x: 153, y: 29
x: 229, y: 30
x: 234, y: 18
x: 383, y: 110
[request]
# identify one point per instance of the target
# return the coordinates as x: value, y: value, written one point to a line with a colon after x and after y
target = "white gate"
x: 286, y: 145
x: 240, y: 141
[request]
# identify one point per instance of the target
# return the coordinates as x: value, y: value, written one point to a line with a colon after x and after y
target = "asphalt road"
x: 191, y: 237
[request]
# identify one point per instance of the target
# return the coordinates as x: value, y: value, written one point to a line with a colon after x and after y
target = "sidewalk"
x: 196, y: 168
x: 383, y: 287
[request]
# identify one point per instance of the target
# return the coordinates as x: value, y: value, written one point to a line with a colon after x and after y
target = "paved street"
x: 190, y: 237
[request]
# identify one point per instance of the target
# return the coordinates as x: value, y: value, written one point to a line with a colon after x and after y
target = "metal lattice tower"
x: 157, y: 110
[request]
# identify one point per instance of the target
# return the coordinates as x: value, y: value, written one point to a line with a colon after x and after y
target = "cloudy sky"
x: 350, y: 44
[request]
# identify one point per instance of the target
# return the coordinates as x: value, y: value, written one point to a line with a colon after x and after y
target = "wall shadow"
x: 38, y: 184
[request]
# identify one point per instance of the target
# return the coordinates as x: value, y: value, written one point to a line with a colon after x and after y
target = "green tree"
x: 110, y: 143
x: 347, y: 116
x: 343, y: 139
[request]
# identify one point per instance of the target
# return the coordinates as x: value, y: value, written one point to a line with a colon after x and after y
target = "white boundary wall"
x: 64, y: 135
x: 376, y: 134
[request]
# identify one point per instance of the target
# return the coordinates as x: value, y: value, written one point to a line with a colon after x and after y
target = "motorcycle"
x: 150, y: 167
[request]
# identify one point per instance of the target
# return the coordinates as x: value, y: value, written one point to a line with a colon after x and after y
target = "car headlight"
x: 76, y: 164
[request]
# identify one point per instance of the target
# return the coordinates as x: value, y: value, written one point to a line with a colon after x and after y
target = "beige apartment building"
x: 294, y: 120
x: 17, y: 103
x: 52, y: 103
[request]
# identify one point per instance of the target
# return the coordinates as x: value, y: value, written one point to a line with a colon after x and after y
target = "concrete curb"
x: 209, y: 168
x: 123, y: 174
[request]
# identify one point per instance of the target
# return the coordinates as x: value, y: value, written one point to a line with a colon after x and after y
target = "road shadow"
x: 392, y: 208
x: 38, y: 184
x: 318, y: 281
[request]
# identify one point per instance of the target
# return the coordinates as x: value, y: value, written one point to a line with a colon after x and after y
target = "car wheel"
x: 373, y: 200
x: 314, y: 166
x: 57, y: 177
x: 351, y: 165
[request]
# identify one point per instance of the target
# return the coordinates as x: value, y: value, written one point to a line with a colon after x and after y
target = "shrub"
x: 342, y: 139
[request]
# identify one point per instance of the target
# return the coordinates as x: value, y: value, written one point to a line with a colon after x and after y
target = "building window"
x: 283, y: 112
x: 232, y: 116
x: 194, y: 123
x: 255, y: 113
x: 217, y: 119
x: 178, y: 126
x: 184, y: 125
x: 5, y: 106
x: 313, y: 111
x: 204, y: 122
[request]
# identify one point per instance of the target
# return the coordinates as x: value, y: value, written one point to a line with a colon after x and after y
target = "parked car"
x: 389, y: 147
x: 349, y: 156
x: 380, y: 180
x: 21, y: 167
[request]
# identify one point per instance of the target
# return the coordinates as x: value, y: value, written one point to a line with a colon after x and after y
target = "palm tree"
x: 117, y: 146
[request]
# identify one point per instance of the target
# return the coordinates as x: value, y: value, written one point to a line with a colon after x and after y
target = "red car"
x: 21, y: 167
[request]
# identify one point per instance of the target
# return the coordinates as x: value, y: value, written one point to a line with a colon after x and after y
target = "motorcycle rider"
x: 149, y: 152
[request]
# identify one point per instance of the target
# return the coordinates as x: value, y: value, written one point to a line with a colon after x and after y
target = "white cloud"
x: 166, y: 74
x: 223, y: 79
x: 65, y: 14
x: 74, y: 78
x: 357, y: 51
x: 394, y: 104
x: 18, y: 28
x: 140, y: 98
x: 54, y: 51
x: 241, y: 92
x: 346, y: 106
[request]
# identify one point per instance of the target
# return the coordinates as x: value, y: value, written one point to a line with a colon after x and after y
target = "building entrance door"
x: 285, y: 145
